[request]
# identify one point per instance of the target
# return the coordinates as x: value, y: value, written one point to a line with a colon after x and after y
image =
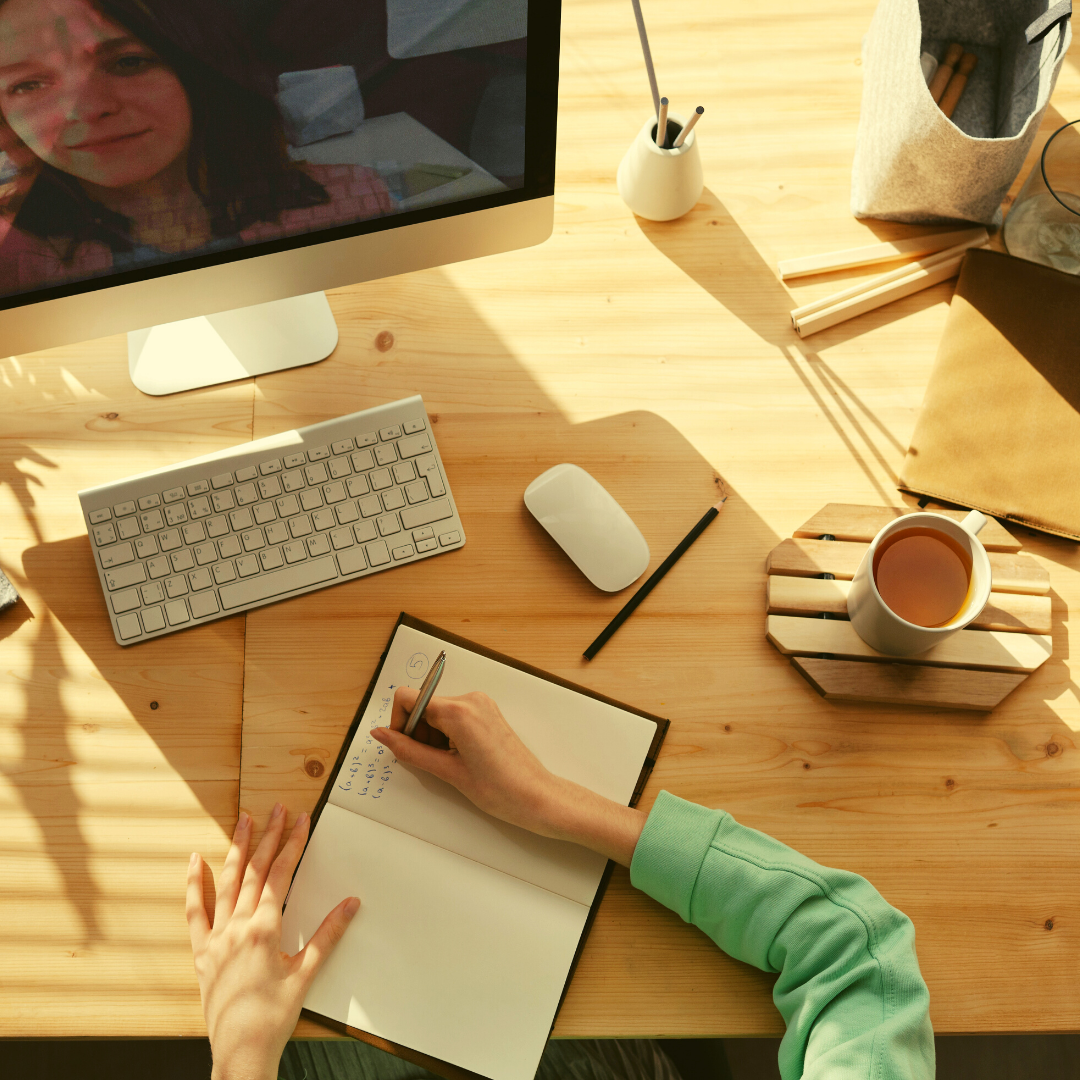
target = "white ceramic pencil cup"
x: 661, y: 184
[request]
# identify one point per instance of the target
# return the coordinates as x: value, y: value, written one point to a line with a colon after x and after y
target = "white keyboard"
x: 270, y: 519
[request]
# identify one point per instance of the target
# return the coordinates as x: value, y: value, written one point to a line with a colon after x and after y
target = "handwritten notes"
x: 369, y: 766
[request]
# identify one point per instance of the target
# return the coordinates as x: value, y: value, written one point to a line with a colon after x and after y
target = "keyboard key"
x: 200, y: 508
x: 222, y: 480
x: 104, y: 534
x: 288, y: 506
x: 246, y: 494
x: 370, y: 506
x: 294, y: 461
x: 416, y: 444
x: 316, y: 474
x: 311, y: 498
x: 339, y: 467
x: 148, y: 502
x: 404, y: 472
x: 426, y: 545
x: 264, y: 513
x: 123, y: 576
x: 169, y: 539
x: 158, y: 568
x: 405, y: 551
x: 193, y: 533
x: 295, y: 552
x: 174, y: 494
x: 300, y: 526
x: 223, y: 501
x: 153, y: 619
x: 128, y: 528
x: 318, y: 453
x: 300, y: 576
x: 199, y: 579
x: 271, y: 466
x: 123, y: 509
x: 292, y: 481
x: 364, y: 531
x: 426, y: 533
x: 389, y: 525
x: 152, y: 521
x: 229, y: 547
x: 224, y: 572
x: 116, y: 555
x: 341, y: 538
x: 343, y: 446
x: 253, y: 539
x: 323, y: 519
x: 385, y: 454
x: 448, y: 538
x: 362, y: 460
x: 277, y: 533
x: 127, y: 600
x: 181, y: 560
x: 216, y: 526
x: 380, y: 480
x: 270, y: 558
x: 204, y: 604
x: 145, y: 546
x: 176, y: 613
x: 352, y: 561
x: 426, y: 514
x: 176, y: 514
x: 128, y: 626
x: 269, y: 487
x: 334, y: 493
x: 198, y: 487
x: 357, y: 486
x: 98, y: 516
x: 241, y: 520
x: 205, y: 554
x: 176, y: 586
x: 249, y: 472
x: 248, y: 565
x: 317, y: 545
x: 368, y: 439
x: 411, y: 427
x: 346, y: 512
x: 152, y: 592
x: 392, y: 432
x: 393, y: 499
x: 377, y: 553
x: 416, y: 492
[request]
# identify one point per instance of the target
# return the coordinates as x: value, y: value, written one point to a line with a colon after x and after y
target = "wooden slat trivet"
x: 972, y: 669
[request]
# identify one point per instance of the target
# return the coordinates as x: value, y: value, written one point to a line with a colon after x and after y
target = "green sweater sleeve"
x: 849, y: 987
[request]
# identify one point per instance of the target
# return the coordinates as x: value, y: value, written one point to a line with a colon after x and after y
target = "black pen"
x: 427, y: 689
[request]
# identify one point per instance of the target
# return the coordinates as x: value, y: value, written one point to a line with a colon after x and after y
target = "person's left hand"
x: 252, y: 991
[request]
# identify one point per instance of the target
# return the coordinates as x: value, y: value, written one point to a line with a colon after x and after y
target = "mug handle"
x: 973, y: 522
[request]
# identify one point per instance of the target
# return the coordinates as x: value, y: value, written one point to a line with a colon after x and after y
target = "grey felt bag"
x: 912, y: 163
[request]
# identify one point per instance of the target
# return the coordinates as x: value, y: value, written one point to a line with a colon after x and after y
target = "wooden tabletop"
x: 660, y: 357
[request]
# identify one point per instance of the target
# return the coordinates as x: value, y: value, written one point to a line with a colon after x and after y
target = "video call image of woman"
x: 136, y: 131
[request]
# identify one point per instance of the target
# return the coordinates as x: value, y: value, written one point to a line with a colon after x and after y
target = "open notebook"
x: 469, y: 927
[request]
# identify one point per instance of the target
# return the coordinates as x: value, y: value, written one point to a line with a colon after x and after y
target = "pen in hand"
x: 427, y: 689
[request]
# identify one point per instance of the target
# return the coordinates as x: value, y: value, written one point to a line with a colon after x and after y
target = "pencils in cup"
x: 661, y: 124
x: 689, y: 127
x: 655, y: 577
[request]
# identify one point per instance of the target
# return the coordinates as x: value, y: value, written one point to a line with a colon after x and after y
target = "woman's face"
x: 86, y: 96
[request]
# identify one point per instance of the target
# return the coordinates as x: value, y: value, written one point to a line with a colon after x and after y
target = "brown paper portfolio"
x: 999, y: 429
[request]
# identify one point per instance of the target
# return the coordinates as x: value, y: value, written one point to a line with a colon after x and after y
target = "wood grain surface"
x: 659, y: 357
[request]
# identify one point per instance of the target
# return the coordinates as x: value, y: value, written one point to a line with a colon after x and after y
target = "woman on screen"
x: 158, y: 137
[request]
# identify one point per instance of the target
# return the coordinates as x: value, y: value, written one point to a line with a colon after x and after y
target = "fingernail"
x: 193, y: 860
x: 302, y: 820
x: 277, y: 811
x: 244, y: 820
x: 352, y: 907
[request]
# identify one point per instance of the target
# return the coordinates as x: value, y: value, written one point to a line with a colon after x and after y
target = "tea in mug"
x: 923, y: 575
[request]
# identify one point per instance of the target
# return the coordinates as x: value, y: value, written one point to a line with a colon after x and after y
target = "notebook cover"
x: 999, y: 429
x: 435, y: 1065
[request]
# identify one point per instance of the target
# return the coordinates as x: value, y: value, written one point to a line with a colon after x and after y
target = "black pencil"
x: 656, y: 575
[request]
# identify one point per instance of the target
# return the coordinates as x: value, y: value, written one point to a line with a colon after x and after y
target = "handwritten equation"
x: 369, y: 766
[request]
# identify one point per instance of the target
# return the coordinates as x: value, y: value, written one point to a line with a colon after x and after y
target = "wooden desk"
x: 657, y: 356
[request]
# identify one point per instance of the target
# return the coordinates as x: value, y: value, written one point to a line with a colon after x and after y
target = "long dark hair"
x: 238, y: 161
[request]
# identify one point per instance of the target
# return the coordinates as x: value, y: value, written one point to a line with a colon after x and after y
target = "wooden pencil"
x: 661, y: 124
x: 648, y: 56
x: 681, y: 138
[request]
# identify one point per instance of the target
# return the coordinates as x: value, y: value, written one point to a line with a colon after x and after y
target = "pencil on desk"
x: 689, y: 127
x: 657, y: 574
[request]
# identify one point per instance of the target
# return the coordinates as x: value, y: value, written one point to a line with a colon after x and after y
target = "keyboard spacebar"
x: 280, y: 581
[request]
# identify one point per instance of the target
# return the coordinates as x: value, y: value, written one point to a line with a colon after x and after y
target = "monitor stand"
x: 232, y: 345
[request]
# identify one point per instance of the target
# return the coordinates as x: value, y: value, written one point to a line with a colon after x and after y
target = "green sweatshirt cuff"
x: 671, y: 850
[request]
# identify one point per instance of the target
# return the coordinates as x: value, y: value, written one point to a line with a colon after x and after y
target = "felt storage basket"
x: 912, y: 163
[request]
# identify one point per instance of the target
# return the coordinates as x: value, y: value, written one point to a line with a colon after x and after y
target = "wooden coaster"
x: 973, y: 669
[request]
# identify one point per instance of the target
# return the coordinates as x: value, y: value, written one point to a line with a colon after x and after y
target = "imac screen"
x: 142, y: 137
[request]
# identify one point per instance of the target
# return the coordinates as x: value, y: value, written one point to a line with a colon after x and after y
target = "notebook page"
x: 595, y: 744
x: 445, y: 956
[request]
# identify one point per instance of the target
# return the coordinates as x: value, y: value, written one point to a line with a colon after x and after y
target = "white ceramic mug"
x: 660, y: 184
x: 879, y: 626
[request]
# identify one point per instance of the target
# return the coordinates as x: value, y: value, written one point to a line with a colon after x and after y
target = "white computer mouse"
x: 589, y: 525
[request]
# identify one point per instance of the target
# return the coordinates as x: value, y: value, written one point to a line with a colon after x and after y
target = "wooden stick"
x: 945, y: 70
x: 688, y: 128
x: 914, y: 247
x: 661, y: 124
x: 926, y: 263
x: 648, y: 56
x: 957, y: 83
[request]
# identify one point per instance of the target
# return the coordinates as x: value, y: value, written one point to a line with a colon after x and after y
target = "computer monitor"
x: 165, y: 160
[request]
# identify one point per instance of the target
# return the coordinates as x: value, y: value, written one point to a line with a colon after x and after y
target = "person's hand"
x: 252, y: 991
x: 467, y: 742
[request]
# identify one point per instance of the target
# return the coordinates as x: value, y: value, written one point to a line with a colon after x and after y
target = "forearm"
x: 572, y: 812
